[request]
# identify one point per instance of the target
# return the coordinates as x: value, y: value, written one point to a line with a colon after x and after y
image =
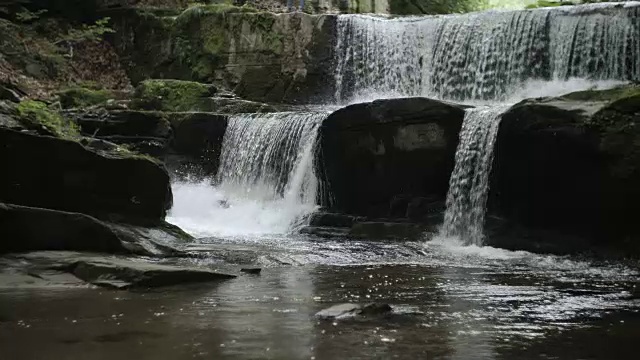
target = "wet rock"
x: 49, y: 172
x: 426, y: 210
x: 124, y: 273
x: 28, y: 229
x: 253, y: 271
x: 351, y: 310
x: 387, y: 230
x: 375, y: 152
x: 116, y: 272
x: 571, y: 165
x: 324, y: 219
x: 326, y: 231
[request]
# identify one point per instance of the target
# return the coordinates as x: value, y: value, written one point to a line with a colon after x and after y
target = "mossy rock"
x: 419, y: 7
x: 80, y: 97
x: 608, y: 95
x: 36, y: 115
x: 171, y: 95
x: 547, y: 3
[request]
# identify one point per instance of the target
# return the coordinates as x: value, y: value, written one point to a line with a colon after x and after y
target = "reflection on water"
x: 451, y: 303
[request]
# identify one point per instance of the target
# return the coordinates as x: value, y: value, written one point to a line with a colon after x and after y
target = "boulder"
x: 261, y: 56
x: 571, y: 164
x: 60, y: 174
x: 58, y: 268
x: 30, y: 229
x: 349, y: 310
x: 372, y: 153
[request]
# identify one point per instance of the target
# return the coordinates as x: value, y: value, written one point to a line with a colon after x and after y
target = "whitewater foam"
x: 266, y: 182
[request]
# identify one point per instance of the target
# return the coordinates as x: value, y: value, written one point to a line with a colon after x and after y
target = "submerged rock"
x: 375, y: 152
x: 351, y: 310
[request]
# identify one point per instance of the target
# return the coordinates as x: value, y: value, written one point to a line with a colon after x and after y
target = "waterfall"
x: 469, y: 183
x: 265, y: 183
x: 488, y: 55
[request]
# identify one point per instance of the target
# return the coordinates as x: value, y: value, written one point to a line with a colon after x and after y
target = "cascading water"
x: 488, y: 55
x: 469, y: 183
x: 493, y: 57
x: 265, y: 182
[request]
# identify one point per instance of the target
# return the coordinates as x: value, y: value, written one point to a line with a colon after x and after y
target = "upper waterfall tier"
x: 488, y: 55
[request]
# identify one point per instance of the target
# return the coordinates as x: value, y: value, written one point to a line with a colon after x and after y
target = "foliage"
x: 26, y: 16
x: 92, y: 32
x: 36, y: 115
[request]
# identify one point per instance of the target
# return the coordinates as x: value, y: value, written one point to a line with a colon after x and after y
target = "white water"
x: 469, y: 184
x: 266, y: 182
x: 485, y: 56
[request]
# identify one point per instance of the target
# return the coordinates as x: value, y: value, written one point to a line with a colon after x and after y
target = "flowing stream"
x: 486, y: 56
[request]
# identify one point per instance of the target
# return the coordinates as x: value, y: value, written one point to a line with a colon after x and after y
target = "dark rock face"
x: 387, y: 230
x: 125, y: 126
x: 373, y: 153
x: 188, y: 142
x: 47, y: 172
x: 29, y: 229
x: 571, y: 164
x: 260, y: 56
x: 332, y: 220
x: 197, y: 142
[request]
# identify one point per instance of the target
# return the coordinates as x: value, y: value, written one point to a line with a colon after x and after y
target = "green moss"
x: 609, y: 95
x: 418, y: 7
x: 547, y: 3
x: 170, y: 95
x: 77, y: 97
x: 36, y: 115
x: 124, y: 151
